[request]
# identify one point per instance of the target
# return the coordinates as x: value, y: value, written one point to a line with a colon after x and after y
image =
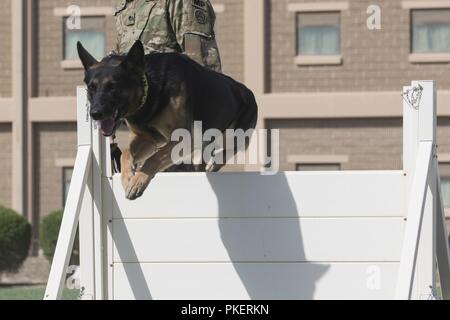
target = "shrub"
x: 15, y: 238
x: 48, y: 238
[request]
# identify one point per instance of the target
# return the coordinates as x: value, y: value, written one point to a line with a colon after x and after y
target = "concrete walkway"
x: 34, y: 271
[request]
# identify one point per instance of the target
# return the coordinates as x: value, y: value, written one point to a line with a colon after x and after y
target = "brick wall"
x: 230, y: 37
x: 371, y: 144
x: 5, y: 49
x: 52, y: 141
x: 52, y: 79
x: 373, y: 60
x: 5, y: 165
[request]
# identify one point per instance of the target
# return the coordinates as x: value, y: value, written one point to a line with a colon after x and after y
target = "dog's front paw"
x: 136, y: 185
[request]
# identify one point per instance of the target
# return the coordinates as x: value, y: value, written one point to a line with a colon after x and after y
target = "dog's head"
x: 114, y: 85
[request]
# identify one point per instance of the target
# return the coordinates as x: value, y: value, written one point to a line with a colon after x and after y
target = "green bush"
x: 48, y: 238
x: 15, y: 238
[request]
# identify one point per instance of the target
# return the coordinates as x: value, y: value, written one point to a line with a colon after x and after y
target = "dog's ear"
x: 134, y: 61
x: 86, y: 58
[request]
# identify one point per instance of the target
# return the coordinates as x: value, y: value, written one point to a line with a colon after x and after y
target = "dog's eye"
x: 92, y: 87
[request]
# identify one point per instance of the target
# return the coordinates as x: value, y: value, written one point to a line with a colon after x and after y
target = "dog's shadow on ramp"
x: 261, y: 231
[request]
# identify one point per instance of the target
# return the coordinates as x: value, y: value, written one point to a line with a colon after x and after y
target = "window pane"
x: 445, y: 187
x: 91, y: 34
x: 318, y: 33
x: 318, y: 167
x: 430, y: 31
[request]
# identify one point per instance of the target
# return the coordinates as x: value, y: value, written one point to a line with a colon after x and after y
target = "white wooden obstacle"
x: 314, y: 235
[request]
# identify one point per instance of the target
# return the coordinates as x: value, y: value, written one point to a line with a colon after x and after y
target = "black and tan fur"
x: 180, y: 91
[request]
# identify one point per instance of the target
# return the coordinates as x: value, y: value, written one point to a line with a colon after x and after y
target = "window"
x: 318, y: 167
x: 91, y: 34
x: 445, y: 187
x: 318, y: 33
x: 444, y: 169
x: 67, y: 177
x: 430, y: 31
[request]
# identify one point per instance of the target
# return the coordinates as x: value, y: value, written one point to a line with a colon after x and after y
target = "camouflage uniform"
x: 185, y: 26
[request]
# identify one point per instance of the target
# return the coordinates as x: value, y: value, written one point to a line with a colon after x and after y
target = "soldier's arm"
x: 193, y: 24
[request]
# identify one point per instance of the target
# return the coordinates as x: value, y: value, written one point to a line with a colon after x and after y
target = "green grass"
x: 31, y: 293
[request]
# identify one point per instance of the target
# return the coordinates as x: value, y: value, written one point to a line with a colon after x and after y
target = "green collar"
x: 133, y: 111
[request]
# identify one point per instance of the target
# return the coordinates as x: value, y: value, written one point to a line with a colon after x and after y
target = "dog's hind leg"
x: 245, y: 122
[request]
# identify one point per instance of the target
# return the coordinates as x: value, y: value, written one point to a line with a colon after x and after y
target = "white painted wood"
x: 108, y: 239
x: 425, y: 269
x: 98, y: 163
x: 69, y: 223
x: 414, y: 224
x: 427, y: 112
x: 410, y: 138
x: 84, y: 122
x: 86, y: 221
x: 442, y: 245
x: 258, y: 240
x: 290, y: 194
x: 315, y: 235
x: 262, y: 281
x: 87, y: 248
x: 410, y: 145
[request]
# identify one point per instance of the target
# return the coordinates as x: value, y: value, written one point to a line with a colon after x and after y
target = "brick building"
x: 320, y: 74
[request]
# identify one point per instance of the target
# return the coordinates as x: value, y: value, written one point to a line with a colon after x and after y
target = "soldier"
x: 185, y: 26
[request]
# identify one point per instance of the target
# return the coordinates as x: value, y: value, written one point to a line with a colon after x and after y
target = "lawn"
x: 31, y: 293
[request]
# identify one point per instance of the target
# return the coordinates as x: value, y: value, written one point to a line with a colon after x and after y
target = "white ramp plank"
x: 263, y: 281
x: 69, y: 224
x: 293, y: 194
x: 258, y: 240
x: 442, y: 245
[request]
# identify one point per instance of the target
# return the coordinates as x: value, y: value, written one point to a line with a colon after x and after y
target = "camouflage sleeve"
x: 121, y: 6
x: 193, y: 23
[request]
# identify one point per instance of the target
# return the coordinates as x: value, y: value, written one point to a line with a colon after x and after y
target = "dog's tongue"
x: 107, y: 127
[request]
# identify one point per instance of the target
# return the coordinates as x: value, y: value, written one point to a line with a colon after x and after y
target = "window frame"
x: 421, y: 58
x: 298, y: 38
x: 62, y: 13
x: 68, y: 63
x: 314, y: 7
x: 295, y: 160
x: 444, y: 160
x: 319, y: 167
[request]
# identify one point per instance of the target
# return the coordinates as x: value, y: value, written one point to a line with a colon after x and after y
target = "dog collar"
x: 146, y: 87
x: 144, y: 96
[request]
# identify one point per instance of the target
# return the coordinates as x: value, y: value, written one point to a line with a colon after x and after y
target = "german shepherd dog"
x: 157, y: 94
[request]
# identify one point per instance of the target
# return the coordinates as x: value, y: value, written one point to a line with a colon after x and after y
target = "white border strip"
x: 85, y: 11
x: 318, y: 159
x: 71, y: 65
x: 219, y: 7
x: 314, y: 6
x: 318, y: 60
x: 7, y: 106
x: 428, y: 4
x: 64, y: 162
x: 429, y: 57
x: 444, y: 158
